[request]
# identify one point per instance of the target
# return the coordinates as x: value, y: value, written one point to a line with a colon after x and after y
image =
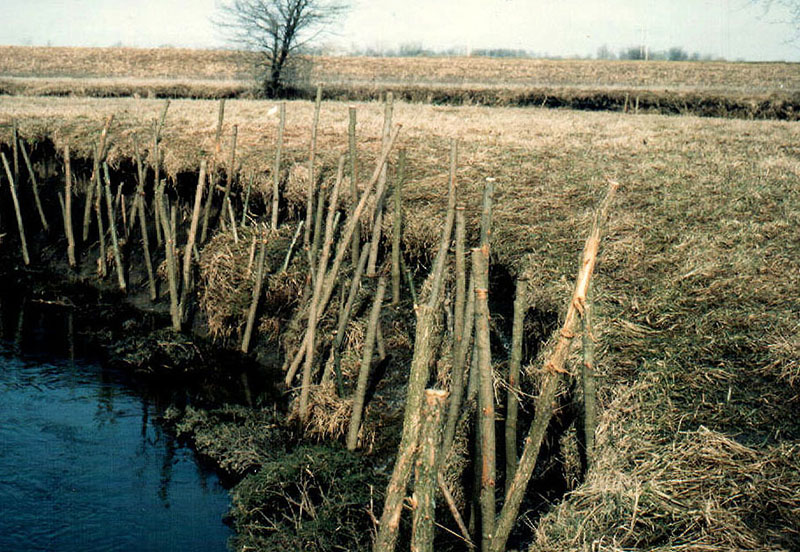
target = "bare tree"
x: 791, y: 9
x: 278, y: 30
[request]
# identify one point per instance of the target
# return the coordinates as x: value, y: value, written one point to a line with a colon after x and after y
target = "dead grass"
x: 160, y: 63
x: 696, y: 283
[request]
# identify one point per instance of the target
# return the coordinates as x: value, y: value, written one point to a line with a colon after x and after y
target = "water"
x: 84, y: 464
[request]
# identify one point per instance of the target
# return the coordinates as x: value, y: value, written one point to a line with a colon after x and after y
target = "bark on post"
x: 418, y: 378
x: 276, y: 172
x: 98, y: 211
x: 307, y: 236
x: 316, y: 299
x: 229, y: 179
x: 112, y: 225
x: 397, y: 230
x: 366, y: 361
x: 289, y: 251
x: 251, y: 314
x: 68, y: 209
x: 11, y: 184
x: 444, y: 244
x: 480, y: 269
x: 351, y: 136
x: 554, y: 369
x: 514, y: 364
x: 377, y: 219
x: 457, y: 385
x: 246, y: 208
x: 188, y: 283
x: 169, y: 247
x: 15, y: 149
x: 344, y: 241
x: 142, y: 210
x: 35, y: 186
x: 587, y: 376
x: 87, y: 211
x: 212, y: 171
x: 422, y: 525
x: 344, y: 318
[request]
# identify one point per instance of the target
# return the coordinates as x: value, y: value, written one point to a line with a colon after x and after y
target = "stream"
x: 84, y: 462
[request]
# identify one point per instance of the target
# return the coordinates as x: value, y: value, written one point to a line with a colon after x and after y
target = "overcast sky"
x: 734, y: 29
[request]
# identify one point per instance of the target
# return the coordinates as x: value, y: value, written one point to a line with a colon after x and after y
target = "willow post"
x: 307, y: 235
x: 351, y: 139
x: 190, y: 241
x: 251, y: 314
x: 587, y: 375
x: 425, y: 482
x: 377, y: 218
x: 169, y: 247
x: 98, y: 210
x: 480, y: 263
x: 553, y: 371
x: 514, y: 364
x: 397, y: 231
x: 112, y: 226
x: 366, y: 361
x: 140, y: 206
x: 229, y: 180
x: 276, y: 172
x: 68, y: 209
x: 12, y: 186
x: 35, y: 186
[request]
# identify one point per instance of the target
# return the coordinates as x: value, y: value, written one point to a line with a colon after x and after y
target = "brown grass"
x: 719, y: 89
x: 696, y: 283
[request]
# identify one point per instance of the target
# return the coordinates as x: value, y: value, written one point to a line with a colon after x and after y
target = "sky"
x: 733, y: 29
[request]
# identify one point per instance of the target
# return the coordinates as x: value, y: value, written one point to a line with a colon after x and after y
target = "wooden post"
x: 245, y: 209
x: 188, y: 282
x: 344, y: 317
x: 276, y: 172
x: 317, y: 235
x: 23, y: 243
x: 140, y: 207
x: 169, y: 247
x: 587, y: 376
x: 514, y: 365
x: 113, y: 228
x: 87, y: 209
x: 346, y: 235
x: 307, y: 236
x: 447, y: 231
x: 422, y: 525
x: 554, y: 369
x: 229, y: 179
x: 98, y: 196
x: 35, y: 186
x: 377, y: 218
x: 68, y: 209
x: 351, y: 136
x: 480, y: 269
x: 418, y: 378
x: 366, y: 361
x: 289, y: 252
x: 397, y: 231
x: 457, y: 384
x: 15, y: 149
x: 317, y: 305
x: 251, y: 314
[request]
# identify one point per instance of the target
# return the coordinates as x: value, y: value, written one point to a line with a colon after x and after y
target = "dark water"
x: 84, y: 464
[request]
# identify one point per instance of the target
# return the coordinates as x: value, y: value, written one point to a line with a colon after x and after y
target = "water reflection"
x: 84, y: 463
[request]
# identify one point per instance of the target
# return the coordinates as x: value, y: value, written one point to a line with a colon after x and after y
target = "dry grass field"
x: 699, y: 442
x: 744, y: 90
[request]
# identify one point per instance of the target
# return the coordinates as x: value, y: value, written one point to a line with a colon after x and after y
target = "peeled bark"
x: 553, y: 371
x: 425, y: 479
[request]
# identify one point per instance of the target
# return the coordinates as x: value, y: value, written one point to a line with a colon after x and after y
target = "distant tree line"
x: 416, y: 49
x: 641, y: 52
